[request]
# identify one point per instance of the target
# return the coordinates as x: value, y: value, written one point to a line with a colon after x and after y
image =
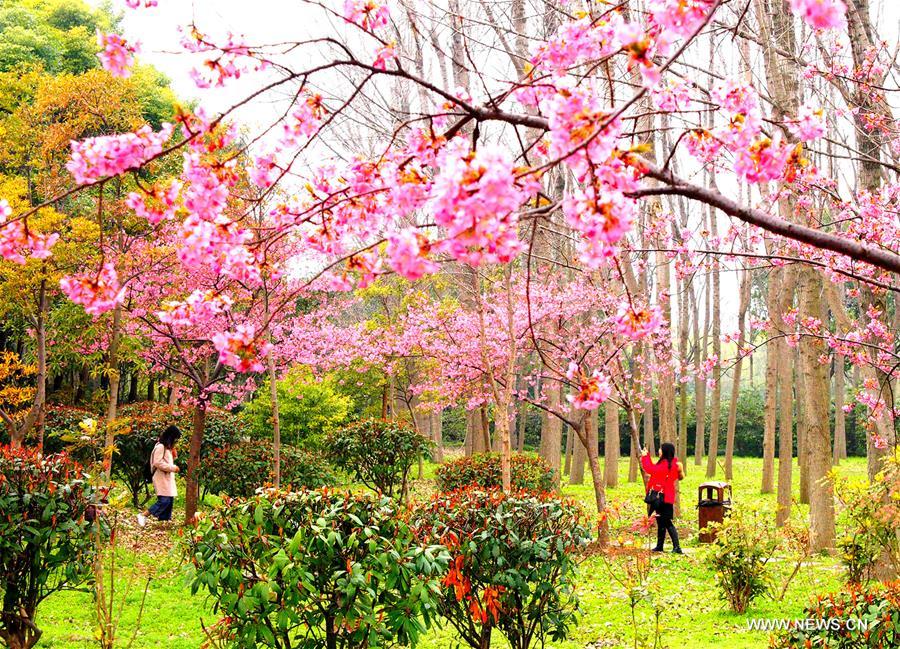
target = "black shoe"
x: 677, y: 551
x: 656, y: 550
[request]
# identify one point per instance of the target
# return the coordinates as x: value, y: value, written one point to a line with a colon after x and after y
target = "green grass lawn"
x: 695, y: 617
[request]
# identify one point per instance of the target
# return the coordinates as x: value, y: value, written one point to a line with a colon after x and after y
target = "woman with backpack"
x: 660, y: 497
x: 163, y: 470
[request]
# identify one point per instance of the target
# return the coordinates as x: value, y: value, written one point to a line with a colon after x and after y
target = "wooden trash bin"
x: 712, y: 506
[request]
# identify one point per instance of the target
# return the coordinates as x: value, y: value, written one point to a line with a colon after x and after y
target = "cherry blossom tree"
x: 596, y: 127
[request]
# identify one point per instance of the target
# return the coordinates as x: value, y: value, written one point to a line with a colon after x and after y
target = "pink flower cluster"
x: 304, y: 121
x: 636, y: 323
x: 680, y: 17
x: 580, y: 131
x: 384, y: 55
x: 198, y: 307
x: 821, y: 14
x: 762, y: 161
x: 703, y: 145
x: 105, y: 156
x: 156, y: 205
x: 809, y: 125
x: 116, y: 54
x: 475, y: 196
x: 603, y: 216
x: 368, y: 14
x: 240, y: 349
x: 227, y: 60
x: 406, y: 254
x: 137, y: 4
x: 96, y: 293
x: 593, y: 390
x: 17, y: 242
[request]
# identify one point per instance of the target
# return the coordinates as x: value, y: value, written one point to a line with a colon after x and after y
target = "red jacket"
x: 661, y: 477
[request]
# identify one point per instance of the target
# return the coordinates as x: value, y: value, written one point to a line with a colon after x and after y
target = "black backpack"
x: 149, y: 470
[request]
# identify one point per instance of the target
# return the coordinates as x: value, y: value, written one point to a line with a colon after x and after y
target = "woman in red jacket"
x: 662, y: 477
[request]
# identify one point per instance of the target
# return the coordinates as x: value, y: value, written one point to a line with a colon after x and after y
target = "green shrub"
x: 867, y: 528
x: 745, y: 542
x: 238, y: 470
x: 142, y: 424
x: 857, y: 618
x: 513, y: 563
x: 316, y: 569
x: 483, y: 469
x: 308, y: 409
x: 378, y: 453
x: 46, y: 542
x: 59, y: 423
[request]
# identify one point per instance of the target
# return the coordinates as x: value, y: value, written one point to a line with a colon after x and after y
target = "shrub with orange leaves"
x: 858, y: 617
x: 513, y: 563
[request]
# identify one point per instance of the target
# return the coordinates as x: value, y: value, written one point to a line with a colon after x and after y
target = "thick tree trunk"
x: 736, y: 382
x: 665, y: 382
x: 35, y: 414
x: 649, y: 437
x: 786, y: 282
x: 715, y: 402
x: 699, y: 381
x: 770, y: 417
x: 112, y: 369
x: 522, y: 421
x: 579, y: 455
x: 818, y: 434
x: 590, y: 436
x: 192, y: 491
x: 785, y: 434
x: 551, y: 430
x: 802, y: 419
x: 611, y: 444
x: 770, y: 420
x: 437, y: 436
x: 485, y: 428
x: 840, y: 417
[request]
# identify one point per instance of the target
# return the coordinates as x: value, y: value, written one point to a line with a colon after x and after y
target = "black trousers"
x: 664, y: 515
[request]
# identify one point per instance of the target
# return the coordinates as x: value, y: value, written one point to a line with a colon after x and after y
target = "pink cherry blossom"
x: 240, y: 349
x: 821, y: 14
x: 703, y: 145
x: 265, y: 171
x: 137, y: 4
x: 105, y: 156
x: 762, y: 161
x: 879, y: 441
x: 304, y: 120
x: 199, y: 306
x: 368, y: 14
x: 681, y: 17
x: 116, y: 54
x: 475, y: 197
x: 636, y: 323
x: 406, y: 254
x: 159, y: 204
x: 17, y: 242
x: 593, y: 390
x: 384, y: 55
x: 809, y: 125
x: 96, y: 292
